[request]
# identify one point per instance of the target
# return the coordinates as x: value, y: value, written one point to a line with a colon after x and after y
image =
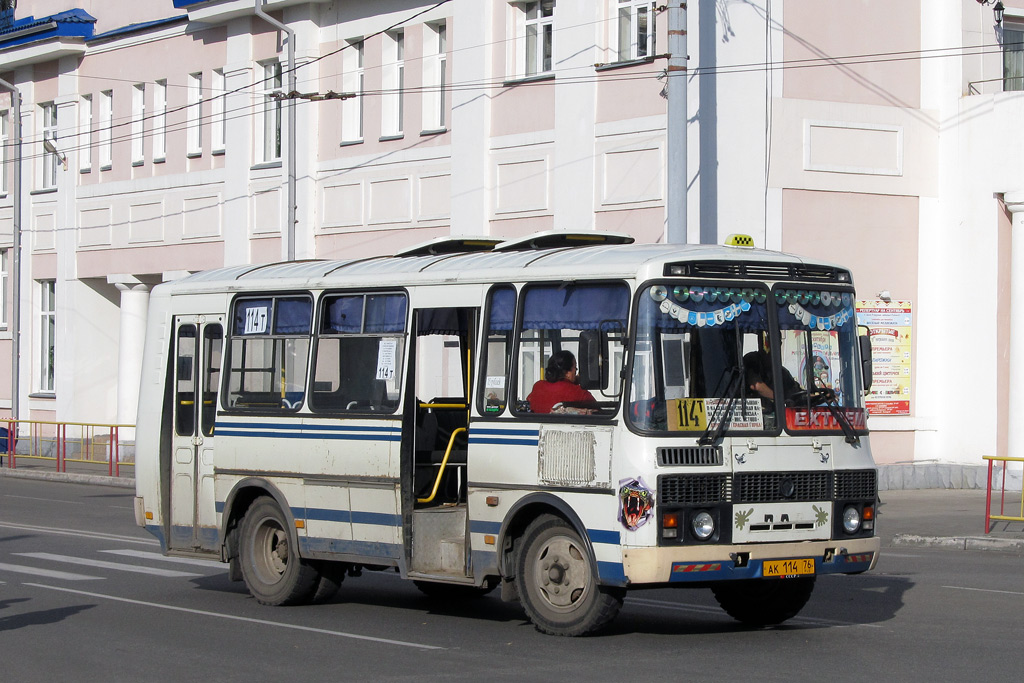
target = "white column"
x: 1015, y: 432
x: 134, y: 309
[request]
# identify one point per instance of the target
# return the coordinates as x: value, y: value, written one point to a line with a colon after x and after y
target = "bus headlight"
x: 703, y: 525
x: 851, y: 519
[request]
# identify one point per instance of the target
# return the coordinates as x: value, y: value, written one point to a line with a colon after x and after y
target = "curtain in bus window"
x: 502, y: 312
x: 577, y: 307
x: 385, y: 313
x: 343, y: 315
x: 293, y: 316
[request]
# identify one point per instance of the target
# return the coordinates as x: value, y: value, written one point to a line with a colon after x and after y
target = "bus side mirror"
x: 865, y: 360
x: 591, y: 360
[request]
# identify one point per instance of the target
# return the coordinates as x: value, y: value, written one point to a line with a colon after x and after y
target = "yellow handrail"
x: 988, y: 495
x: 440, y: 470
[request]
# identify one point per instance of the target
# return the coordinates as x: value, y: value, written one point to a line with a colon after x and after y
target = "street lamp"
x: 997, y: 9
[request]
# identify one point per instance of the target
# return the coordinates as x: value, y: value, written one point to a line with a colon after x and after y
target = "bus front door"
x: 198, y: 347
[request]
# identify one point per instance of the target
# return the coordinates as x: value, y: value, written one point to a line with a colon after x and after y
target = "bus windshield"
x: 707, y: 361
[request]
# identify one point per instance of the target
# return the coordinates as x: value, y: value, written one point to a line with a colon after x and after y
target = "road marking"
x: 142, y: 554
x: 682, y: 607
x: 262, y: 622
x: 48, y: 573
x: 109, y: 565
x: 983, y: 590
x: 77, y: 532
x: 46, y: 500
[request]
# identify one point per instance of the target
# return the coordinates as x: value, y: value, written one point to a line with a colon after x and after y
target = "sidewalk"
x: 947, y: 518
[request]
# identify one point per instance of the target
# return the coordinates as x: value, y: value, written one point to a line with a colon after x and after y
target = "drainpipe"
x: 675, y: 138
x: 16, y: 248
x: 290, y: 156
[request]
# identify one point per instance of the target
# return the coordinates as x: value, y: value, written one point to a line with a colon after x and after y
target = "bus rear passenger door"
x: 198, y: 348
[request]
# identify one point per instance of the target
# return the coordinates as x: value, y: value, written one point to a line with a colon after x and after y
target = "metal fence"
x: 36, y: 443
x: 1002, y: 516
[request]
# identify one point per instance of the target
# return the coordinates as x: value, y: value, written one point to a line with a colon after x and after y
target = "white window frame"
x: 4, y: 285
x: 538, y: 37
x: 393, y: 100
x: 106, y: 121
x: 218, y: 119
x: 5, y: 138
x: 353, y: 80
x: 632, y: 40
x: 435, y: 77
x: 1013, y: 58
x: 85, y: 134
x: 194, y: 118
x: 160, y: 120
x: 48, y: 131
x: 47, y: 333
x: 138, y: 123
x: 272, y: 113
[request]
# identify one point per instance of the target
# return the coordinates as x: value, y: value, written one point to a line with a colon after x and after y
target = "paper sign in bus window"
x: 256, y: 320
x: 694, y: 414
x: 386, y: 352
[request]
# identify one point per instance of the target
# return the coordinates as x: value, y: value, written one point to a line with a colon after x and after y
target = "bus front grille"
x: 773, y: 487
x: 694, y: 489
x: 854, y: 484
x: 690, y: 455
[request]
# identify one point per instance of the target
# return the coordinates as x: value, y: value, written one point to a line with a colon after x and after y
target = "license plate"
x: 783, y: 568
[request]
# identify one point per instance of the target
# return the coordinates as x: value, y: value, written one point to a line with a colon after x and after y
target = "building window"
x: 352, y: 83
x: 218, y: 121
x: 47, y: 332
x: 393, y: 103
x: 273, y: 108
x: 85, y: 134
x: 160, y: 120
x: 1013, y: 59
x: 435, y: 76
x: 636, y: 29
x: 194, y: 143
x: 138, y: 122
x: 538, y: 36
x: 48, y: 113
x: 4, y: 284
x: 106, y: 121
x: 5, y: 138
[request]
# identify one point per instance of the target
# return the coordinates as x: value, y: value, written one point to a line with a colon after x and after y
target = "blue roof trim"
x: 74, y: 23
x: 188, y: 3
x: 136, y: 28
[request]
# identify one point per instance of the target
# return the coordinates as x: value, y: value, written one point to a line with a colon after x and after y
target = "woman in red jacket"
x: 559, y: 385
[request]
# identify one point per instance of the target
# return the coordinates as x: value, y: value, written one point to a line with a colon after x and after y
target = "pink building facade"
x: 156, y: 141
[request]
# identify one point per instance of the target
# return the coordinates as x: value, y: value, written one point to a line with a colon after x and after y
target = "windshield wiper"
x: 723, y: 418
x: 840, y: 417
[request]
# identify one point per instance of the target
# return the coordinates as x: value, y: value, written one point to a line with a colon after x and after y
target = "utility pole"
x: 16, y: 248
x: 675, y: 140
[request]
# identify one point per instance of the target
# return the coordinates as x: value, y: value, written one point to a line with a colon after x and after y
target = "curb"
x: 94, y: 479
x: 960, y: 542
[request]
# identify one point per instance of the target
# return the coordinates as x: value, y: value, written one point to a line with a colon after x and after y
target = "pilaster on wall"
x: 238, y: 74
x: 471, y: 181
x: 1015, y: 435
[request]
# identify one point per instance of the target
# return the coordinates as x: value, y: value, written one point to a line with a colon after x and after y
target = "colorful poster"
x: 890, y: 324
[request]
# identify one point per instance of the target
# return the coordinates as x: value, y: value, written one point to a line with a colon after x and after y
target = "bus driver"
x: 559, y: 385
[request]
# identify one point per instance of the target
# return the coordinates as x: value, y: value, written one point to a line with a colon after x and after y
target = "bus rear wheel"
x: 556, y: 582
x: 764, y: 602
x: 271, y: 566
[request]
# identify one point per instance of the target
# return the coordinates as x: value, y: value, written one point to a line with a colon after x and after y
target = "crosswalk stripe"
x: 109, y: 565
x: 164, y: 558
x: 48, y: 573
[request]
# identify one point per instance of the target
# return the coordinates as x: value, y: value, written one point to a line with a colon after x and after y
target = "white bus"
x: 307, y: 421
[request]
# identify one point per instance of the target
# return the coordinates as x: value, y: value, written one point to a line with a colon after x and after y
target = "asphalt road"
x: 86, y: 596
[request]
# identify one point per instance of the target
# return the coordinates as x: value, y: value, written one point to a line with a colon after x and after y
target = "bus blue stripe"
x: 602, y: 536
x: 505, y: 442
x: 479, y: 526
x: 322, y: 427
x: 267, y: 433
x: 505, y: 432
x: 350, y: 516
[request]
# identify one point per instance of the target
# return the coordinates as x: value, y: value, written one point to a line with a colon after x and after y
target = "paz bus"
x: 308, y: 421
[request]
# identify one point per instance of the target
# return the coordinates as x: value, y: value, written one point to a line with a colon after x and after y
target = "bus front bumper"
x: 749, y: 561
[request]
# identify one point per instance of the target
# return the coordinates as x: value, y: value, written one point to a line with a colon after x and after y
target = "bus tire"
x: 763, y: 602
x: 271, y: 566
x: 557, y: 584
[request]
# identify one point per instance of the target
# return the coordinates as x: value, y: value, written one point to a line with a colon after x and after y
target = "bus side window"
x: 497, y: 349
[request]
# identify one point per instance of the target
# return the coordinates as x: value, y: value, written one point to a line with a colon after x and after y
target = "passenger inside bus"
x: 560, y: 387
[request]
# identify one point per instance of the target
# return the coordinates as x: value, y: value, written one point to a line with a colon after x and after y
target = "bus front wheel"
x: 556, y: 582
x: 271, y: 566
x: 763, y: 602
